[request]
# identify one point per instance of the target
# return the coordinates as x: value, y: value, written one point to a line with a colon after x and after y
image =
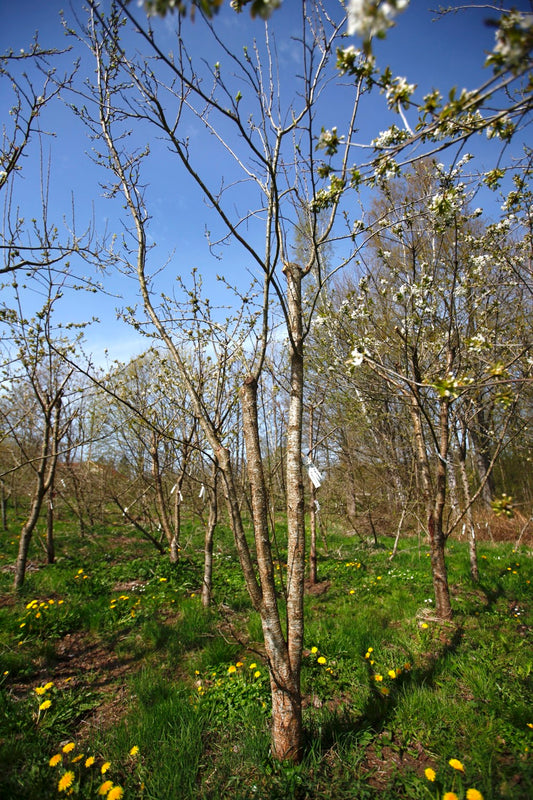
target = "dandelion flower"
x: 65, y: 782
x: 257, y: 674
x: 77, y: 758
x: 48, y: 686
x: 253, y: 666
x: 385, y: 690
x: 55, y: 760
x: 89, y: 762
x: 105, y: 787
x: 105, y: 767
x: 134, y: 751
x: 45, y: 705
x: 530, y: 724
x: 449, y: 796
x: 321, y: 660
x: 378, y: 677
x: 115, y: 793
x: 391, y: 673
x: 238, y: 664
x: 456, y: 764
x: 430, y: 774
x: 39, y: 690
x: 232, y: 669
x: 473, y: 794
x: 68, y: 747
x: 424, y: 625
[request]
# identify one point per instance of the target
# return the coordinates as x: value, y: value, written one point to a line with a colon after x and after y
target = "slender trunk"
x: 26, y: 534
x: 313, y: 573
x: 50, y: 546
x: 3, y: 501
x: 43, y: 480
x: 481, y: 443
x: 434, y: 501
x: 313, y: 559
x: 435, y: 521
x: 287, y: 734
x: 472, y: 550
x: 161, y: 501
x: 207, y: 582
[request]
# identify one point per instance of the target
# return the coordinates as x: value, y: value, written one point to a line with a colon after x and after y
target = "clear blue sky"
x: 431, y: 53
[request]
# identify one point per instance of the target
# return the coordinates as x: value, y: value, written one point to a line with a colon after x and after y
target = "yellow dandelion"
x: 105, y: 767
x: 473, y: 794
x: 48, y: 686
x: 456, y: 764
x: 424, y: 625
x: 55, y: 760
x: 45, y: 705
x: 65, y: 782
x: 67, y: 748
x: 321, y: 660
x: 378, y: 677
x: 385, y: 690
x: 105, y: 787
x: 314, y: 649
x: 253, y: 666
x: 530, y: 724
x: 89, y: 762
x: 232, y: 669
x: 449, y: 796
x: 257, y: 674
x: 352, y: 591
x: 116, y: 793
x: 77, y: 758
x: 39, y: 690
x: 238, y: 664
x: 430, y: 774
x: 391, y: 673
x: 162, y: 580
x: 134, y: 751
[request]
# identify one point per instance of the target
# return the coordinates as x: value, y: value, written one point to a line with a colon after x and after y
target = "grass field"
x: 115, y: 682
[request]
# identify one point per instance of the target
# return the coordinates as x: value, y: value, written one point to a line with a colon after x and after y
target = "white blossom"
x: 369, y: 18
x: 356, y: 358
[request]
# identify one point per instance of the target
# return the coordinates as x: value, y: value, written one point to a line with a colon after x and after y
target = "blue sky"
x: 432, y: 53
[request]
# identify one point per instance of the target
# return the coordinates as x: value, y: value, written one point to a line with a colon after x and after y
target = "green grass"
x: 134, y: 661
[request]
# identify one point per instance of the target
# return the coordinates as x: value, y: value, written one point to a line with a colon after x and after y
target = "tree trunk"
x: 26, y: 534
x: 207, y: 582
x: 434, y: 500
x: 287, y: 731
x: 284, y: 673
x: 160, y: 500
x: 3, y: 501
x: 50, y: 547
x: 313, y: 560
x: 437, y: 538
x: 472, y: 550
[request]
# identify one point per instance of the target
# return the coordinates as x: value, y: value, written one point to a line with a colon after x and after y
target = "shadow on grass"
x: 379, y: 709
